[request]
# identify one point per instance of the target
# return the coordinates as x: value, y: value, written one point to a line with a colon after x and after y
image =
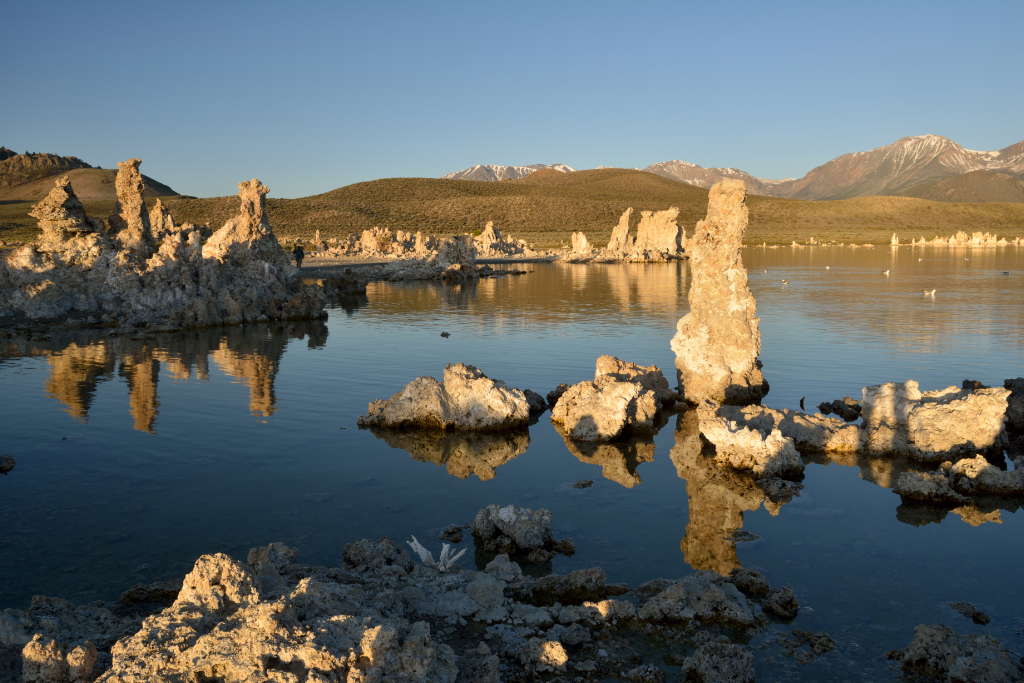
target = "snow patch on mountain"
x: 494, y: 172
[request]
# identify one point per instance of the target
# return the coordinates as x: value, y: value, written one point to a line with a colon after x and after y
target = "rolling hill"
x: 546, y: 208
x: 975, y: 186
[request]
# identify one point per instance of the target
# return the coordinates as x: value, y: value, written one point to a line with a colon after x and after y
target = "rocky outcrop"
x: 717, y: 342
x: 241, y: 275
x: 624, y: 398
x: 658, y: 238
x: 659, y: 233
x: 933, y: 426
x: 763, y: 453
x: 580, y: 245
x: 129, y: 224
x: 467, y: 400
x: 848, y: 409
x: 460, y: 453
x: 941, y: 653
x: 161, y: 222
x: 6, y: 464
x: 621, y: 240
x: 519, y: 533
x: 491, y: 244
x: 61, y: 216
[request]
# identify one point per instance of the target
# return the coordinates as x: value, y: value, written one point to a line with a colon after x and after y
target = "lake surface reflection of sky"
x: 135, y: 456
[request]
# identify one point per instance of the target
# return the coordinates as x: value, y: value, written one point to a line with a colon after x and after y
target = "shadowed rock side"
x: 467, y: 400
x: 718, y: 496
x: 248, y: 353
x: 717, y: 342
x: 461, y: 453
x: 80, y: 269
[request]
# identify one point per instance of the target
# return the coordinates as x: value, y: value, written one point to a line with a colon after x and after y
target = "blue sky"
x: 313, y: 96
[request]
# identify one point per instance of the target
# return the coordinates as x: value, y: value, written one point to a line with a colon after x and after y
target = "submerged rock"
x: 849, y: 409
x: 971, y: 612
x: 6, y: 464
x: 940, y: 652
x: 718, y: 662
x: 468, y: 400
x: 717, y: 342
x: 932, y: 426
x: 518, y: 532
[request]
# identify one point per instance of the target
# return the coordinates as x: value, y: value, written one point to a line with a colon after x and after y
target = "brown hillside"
x: 976, y: 186
x: 24, y: 168
x: 546, y: 209
x: 90, y: 185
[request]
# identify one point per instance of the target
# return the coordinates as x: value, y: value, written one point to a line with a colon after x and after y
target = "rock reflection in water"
x: 885, y: 472
x: 251, y: 354
x: 618, y: 460
x: 461, y: 453
x: 718, y: 497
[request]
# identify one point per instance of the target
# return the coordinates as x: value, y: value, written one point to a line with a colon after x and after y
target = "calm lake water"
x: 134, y: 457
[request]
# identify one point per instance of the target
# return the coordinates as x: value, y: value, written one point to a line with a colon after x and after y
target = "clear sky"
x: 312, y: 96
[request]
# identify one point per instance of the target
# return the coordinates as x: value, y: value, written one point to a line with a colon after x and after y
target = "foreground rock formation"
x: 520, y: 533
x: 942, y: 654
x: 623, y: 398
x: 717, y: 342
x: 467, y: 400
x: 79, y: 268
x: 763, y: 452
x: 383, y: 617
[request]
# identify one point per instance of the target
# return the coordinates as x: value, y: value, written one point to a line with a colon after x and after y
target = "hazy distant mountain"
x: 974, y: 186
x: 897, y: 167
x: 491, y: 172
x: 706, y: 177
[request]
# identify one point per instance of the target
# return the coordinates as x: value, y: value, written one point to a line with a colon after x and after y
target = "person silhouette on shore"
x: 299, y: 254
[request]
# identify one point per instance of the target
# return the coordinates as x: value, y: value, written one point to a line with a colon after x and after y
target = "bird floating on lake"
x: 1006, y: 272
x: 928, y: 292
x: 828, y: 267
x: 445, y: 335
x: 784, y: 282
x: 885, y: 273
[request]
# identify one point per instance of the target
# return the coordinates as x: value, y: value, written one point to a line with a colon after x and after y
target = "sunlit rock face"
x: 761, y: 452
x: 717, y: 342
x: 932, y: 426
x: 718, y: 497
x: 460, y: 453
x: 467, y: 400
x: 810, y: 433
x: 241, y: 275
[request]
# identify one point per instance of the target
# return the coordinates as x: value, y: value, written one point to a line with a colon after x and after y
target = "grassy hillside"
x: 976, y: 186
x: 545, y: 209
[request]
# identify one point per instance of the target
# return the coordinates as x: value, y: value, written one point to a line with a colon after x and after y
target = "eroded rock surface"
x: 958, y: 483
x: 932, y: 426
x: 808, y: 432
x: 717, y: 342
x: 762, y: 453
x: 624, y: 398
x: 940, y: 652
x: 467, y: 400
x: 241, y: 275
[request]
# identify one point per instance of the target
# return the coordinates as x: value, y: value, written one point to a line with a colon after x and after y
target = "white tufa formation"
x: 444, y: 564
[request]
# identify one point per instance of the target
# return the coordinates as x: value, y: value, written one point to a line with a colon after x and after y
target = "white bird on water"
x: 784, y: 282
x: 828, y: 267
x: 928, y: 292
x: 885, y: 273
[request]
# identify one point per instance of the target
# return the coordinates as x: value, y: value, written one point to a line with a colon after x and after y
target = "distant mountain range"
x: 890, y: 170
x: 491, y: 172
x: 973, y: 186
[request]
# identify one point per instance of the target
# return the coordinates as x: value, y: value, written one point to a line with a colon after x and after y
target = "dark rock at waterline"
x: 781, y: 602
x: 971, y: 612
x: 162, y: 592
x: 535, y: 401
x: 973, y: 385
x: 942, y: 653
x: 1015, y: 404
x: 6, y: 464
x: 556, y: 393
x: 453, y: 533
x: 849, y: 409
x: 520, y: 533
